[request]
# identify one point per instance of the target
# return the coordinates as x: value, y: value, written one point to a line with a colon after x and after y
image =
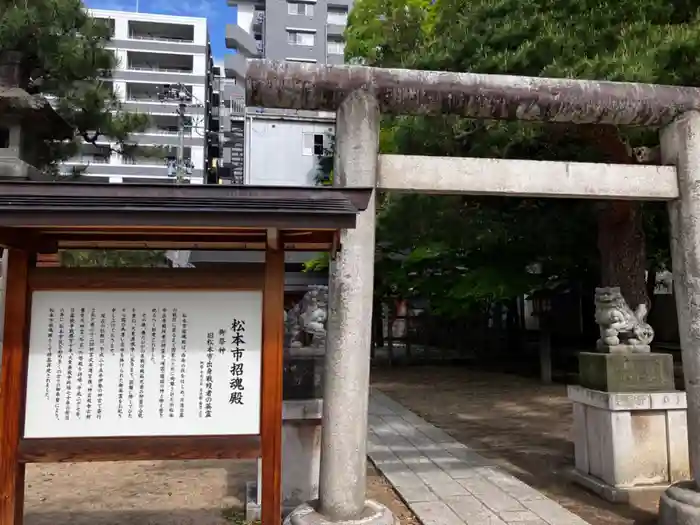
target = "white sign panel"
x: 119, y: 363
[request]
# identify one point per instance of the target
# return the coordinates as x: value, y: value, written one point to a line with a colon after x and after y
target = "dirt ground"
x: 523, y: 426
x: 379, y: 489
x: 155, y: 493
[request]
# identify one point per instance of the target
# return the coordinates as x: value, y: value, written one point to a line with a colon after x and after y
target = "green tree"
x: 644, y: 41
x: 113, y: 258
x: 63, y: 55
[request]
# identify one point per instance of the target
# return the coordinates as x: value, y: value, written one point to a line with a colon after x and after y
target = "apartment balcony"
x: 109, y: 22
x: 87, y: 160
x: 91, y: 154
x: 147, y: 98
x: 157, y: 31
x: 160, y: 62
x: 236, y: 67
x: 237, y: 38
x: 142, y: 92
x: 163, y: 131
x: 335, y: 30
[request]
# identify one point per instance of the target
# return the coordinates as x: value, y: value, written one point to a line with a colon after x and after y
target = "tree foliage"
x: 113, y: 258
x: 64, y: 56
x: 458, y: 249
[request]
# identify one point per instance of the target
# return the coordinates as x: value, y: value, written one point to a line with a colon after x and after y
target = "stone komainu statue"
x: 306, y: 321
x: 620, y: 327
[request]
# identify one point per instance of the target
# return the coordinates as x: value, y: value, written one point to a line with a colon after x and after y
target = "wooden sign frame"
x: 23, y: 278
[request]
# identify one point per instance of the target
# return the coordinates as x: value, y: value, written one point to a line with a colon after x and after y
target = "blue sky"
x: 216, y: 11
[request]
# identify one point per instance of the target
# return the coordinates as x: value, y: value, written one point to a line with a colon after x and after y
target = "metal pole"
x: 180, y: 170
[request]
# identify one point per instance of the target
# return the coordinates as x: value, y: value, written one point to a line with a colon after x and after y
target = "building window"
x: 314, y: 144
x: 337, y: 16
x: 336, y: 47
x: 4, y: 137
x: 300, y: 8
x: 301, y: 38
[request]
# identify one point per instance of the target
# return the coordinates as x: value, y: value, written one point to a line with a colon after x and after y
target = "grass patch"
x: 237, y: 517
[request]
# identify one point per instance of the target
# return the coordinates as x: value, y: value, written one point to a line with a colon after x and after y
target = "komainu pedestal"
x: 630, y: 430
x: 629, y: 443
x: 626, y: 372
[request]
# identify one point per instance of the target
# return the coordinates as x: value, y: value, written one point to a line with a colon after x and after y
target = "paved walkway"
x: 446, y: 483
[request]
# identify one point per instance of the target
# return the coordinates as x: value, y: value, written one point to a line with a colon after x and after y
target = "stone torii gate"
x: 360, y: 95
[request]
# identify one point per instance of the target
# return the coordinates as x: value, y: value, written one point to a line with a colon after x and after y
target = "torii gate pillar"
x: 680, y: 145
x: 342, y: 483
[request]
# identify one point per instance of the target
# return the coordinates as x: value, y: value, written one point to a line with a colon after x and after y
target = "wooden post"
x: 272, y: 361
x: 13, y: 384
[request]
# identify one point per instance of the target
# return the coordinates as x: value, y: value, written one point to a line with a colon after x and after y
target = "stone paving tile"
x: 443, y: 481
x: 435, y: 513
x: 472, y: 511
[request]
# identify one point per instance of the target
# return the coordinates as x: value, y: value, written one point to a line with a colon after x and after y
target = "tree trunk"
x: 622, y: 247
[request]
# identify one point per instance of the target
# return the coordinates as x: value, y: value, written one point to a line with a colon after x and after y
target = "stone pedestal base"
x: 301, y: 458
x: 627, y: 443
x: 680, y: 505
x: 302, y: 375
x: 626, y: 372
x: 374, y: 514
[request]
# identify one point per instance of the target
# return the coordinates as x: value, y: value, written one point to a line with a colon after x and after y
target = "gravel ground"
x: 155, y: 493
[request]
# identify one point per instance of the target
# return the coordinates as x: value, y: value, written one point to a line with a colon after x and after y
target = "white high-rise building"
x: 154, y: 52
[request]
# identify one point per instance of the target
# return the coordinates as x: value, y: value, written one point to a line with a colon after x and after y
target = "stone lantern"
x: 26, y: 120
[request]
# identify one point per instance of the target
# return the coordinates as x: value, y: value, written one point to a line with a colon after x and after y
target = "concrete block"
x: 626, y: 372
x: 678, y: 460
x: 623, y: 446
x: 374, y: 514
x: 301, y: 456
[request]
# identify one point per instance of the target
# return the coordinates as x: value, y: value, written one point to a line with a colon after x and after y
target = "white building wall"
x: 245, y: 12
x: 122, y: 43
x: 122, y: 18
x: 278, y: 150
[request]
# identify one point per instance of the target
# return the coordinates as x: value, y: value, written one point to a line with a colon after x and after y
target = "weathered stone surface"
x: 621, y: 328
x: 288, y: 85
x: 680, y: 145
x: 626, y: 372
x: 342, y: 486
x: 629, y: 444
x: 305, y: 323
x: 680, y: 505
x: 531, y: 178
x: 302, y: 377
x: 373, y: 514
